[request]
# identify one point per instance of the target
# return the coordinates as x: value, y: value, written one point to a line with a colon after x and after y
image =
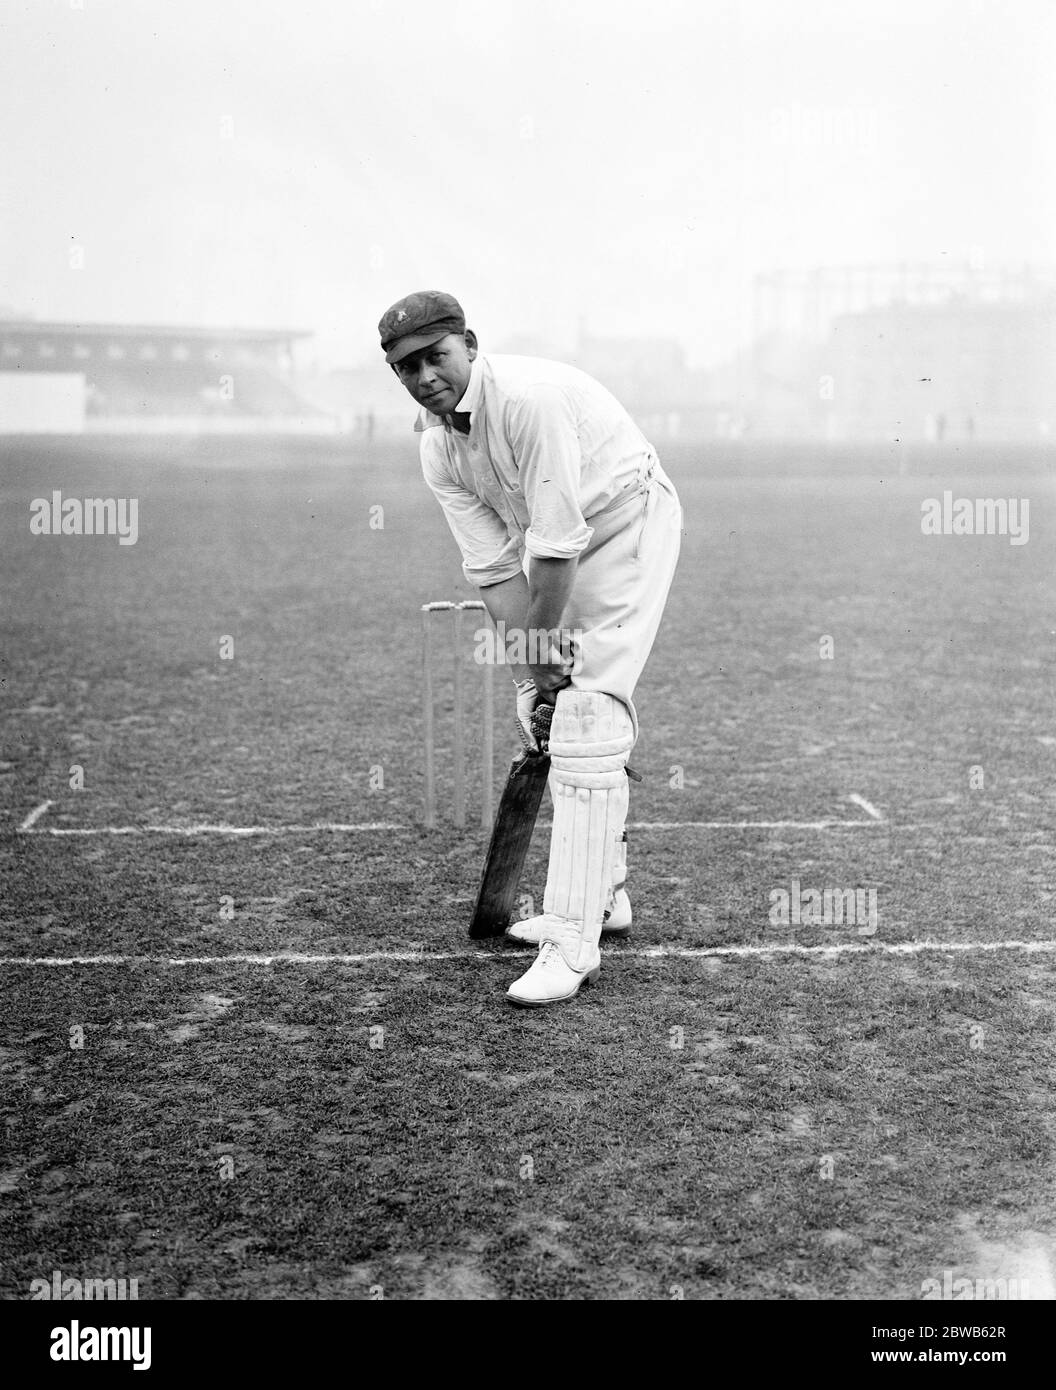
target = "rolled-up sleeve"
x: 549, y: 465
x: 490, y: 554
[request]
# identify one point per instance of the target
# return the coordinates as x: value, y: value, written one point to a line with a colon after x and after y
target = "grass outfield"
x: 753, y: 1124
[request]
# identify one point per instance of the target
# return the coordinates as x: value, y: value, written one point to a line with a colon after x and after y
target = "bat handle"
x: 542, y: 717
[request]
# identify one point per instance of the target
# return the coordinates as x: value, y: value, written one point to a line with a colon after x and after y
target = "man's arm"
x: 550, y: 583
x: 507, y: 602
x: 550, y: 580
x: 534, y: 605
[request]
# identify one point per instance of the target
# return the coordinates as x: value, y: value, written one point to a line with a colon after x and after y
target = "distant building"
x: 958, y: 370
x: 906, y: 351
x: 68, y: 377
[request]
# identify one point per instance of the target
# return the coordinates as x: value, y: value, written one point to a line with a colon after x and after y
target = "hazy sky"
x: 547, y: 161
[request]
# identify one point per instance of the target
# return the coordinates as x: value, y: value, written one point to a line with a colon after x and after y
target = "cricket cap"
x: 417, y: 321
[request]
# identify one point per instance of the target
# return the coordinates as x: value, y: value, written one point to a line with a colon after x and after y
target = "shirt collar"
x: 471, y: 400
x: 469, y: 403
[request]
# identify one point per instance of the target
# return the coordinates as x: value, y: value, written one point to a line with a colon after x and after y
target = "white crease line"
x: 336, y: 828
x: 31, y: 820
x: 867, y: 806
x: 883, y: 948
x: 750, y: 824
x: 233, y: 830
x: 887, y: 948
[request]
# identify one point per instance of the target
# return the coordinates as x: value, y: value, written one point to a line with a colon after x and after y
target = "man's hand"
x: 551, y: 676
x: 529, y: 723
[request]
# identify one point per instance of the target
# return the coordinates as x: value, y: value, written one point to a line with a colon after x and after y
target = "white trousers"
x: 620, y: 589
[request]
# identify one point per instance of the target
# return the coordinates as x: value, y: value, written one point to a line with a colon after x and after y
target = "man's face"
x: 437, y: 376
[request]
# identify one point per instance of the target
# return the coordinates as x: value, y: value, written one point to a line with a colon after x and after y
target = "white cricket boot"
x: 616, y: 922
x: 590, y: 740
x: 559, y: 970
x: 530, y: 931
x: 617, y: 919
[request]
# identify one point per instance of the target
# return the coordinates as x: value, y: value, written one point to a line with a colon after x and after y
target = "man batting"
x: 567, y: 525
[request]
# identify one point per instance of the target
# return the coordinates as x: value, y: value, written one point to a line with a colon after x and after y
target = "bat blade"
x: 511, y: 837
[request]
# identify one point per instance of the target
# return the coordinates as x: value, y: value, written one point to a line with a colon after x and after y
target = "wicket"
x: 487, y: 727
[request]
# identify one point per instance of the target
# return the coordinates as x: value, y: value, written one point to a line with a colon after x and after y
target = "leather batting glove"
x: 527, y: 718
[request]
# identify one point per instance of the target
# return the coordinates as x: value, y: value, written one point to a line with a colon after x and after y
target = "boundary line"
x: 846, y: 948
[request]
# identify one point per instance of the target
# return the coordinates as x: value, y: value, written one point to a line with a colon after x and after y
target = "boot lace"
x: 550, y: 957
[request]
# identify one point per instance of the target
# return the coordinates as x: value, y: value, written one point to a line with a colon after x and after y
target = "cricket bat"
x: 511, y: 836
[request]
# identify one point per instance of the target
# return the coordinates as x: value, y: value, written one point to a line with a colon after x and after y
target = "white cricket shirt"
x: 548, y: 449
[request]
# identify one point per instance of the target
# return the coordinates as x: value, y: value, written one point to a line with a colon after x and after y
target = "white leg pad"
x: 590, y: 741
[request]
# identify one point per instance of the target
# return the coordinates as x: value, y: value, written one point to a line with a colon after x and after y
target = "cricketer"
x: 568, y: 526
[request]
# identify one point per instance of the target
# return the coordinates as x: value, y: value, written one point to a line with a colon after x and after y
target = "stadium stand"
x: 179, y: 376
